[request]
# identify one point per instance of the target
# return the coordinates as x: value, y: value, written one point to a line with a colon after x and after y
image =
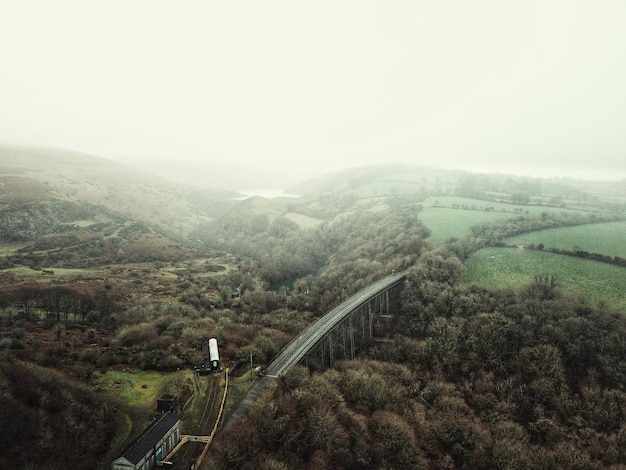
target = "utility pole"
x: 250, y: 366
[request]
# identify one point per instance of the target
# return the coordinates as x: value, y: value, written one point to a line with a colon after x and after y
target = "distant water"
x: 266, y: 193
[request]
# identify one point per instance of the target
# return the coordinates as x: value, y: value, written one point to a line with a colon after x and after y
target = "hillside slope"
x: 29, y: 175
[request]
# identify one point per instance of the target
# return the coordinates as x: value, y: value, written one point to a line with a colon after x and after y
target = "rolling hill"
x: 45, y: 175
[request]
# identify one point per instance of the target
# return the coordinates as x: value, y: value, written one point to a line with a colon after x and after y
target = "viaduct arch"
x: 337, y: 334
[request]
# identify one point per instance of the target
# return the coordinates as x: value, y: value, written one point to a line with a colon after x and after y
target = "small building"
x: 152, y: 446
x: 167, y: 403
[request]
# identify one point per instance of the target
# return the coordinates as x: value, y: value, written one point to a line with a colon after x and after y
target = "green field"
x: 140, y: 387
x: 454, y: 216
x: 605, y: 238
x: 10, y: 248
x: 514, y: 268
x: 134, y: 388
x: 84, y: 222
x: 27, y: 271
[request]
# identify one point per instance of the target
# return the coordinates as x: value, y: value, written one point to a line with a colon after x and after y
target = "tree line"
x: 35, y: 302
x: 615, y: 260
x: 496, y: 232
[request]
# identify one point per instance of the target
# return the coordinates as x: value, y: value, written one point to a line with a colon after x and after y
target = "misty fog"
x: 265, y: 94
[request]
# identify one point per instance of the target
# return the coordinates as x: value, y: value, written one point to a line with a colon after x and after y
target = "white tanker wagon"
x: 214, y: 355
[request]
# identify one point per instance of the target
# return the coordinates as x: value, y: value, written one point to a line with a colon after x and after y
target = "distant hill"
x: 378, y: 180
x: 46, y: 175
x: 39, y: 174
x: 395, y: 180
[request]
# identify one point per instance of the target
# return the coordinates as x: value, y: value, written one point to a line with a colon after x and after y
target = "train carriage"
x: 214, y: 355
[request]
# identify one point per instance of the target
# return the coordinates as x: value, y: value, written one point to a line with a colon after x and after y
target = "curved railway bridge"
x: 336, y: 334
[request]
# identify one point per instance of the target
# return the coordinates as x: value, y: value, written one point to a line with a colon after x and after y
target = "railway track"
x: 201, y: 425
x: 295, y: 351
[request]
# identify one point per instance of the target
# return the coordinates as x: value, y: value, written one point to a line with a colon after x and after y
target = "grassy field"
x: 134, y: 388
x: 513, y: 268
x: 84, y: 222
x: 454, y: 216
x: 606, y: 238
x: 139, y: 389
x: 26, y: 272
x: 10, y: 248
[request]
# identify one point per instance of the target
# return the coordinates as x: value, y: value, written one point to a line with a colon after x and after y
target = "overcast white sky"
x: 535, y: 87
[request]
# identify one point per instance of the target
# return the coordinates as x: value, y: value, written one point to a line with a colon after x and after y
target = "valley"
x: 110, y: 281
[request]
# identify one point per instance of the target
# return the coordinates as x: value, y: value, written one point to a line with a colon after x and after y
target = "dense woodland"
x: 469, y: 378
x: 461, y: 376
